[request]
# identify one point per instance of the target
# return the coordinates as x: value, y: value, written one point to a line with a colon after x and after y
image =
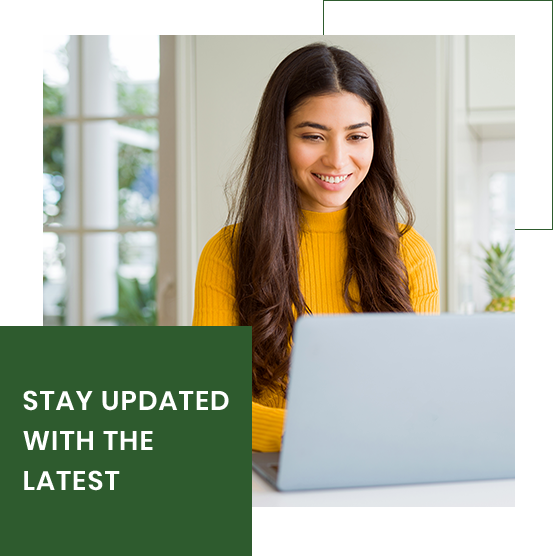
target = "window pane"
x: 59, y: 195
x: 138, y: 179
x: 137, y: 274
x: 55, y: 81
x: 59, y: 280
x: 120, y: 174
x: 121, y: 74
x: 502, y: 207
x: 120, y: 279
x: 135, y: 62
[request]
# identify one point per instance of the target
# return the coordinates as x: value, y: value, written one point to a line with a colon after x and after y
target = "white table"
x: 459, y: 494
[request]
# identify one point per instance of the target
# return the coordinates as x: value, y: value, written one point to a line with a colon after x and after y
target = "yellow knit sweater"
x: 322, y: 261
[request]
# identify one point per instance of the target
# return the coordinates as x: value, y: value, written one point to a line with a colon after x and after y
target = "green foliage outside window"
x: 52, y: 148
x: 137, y: 302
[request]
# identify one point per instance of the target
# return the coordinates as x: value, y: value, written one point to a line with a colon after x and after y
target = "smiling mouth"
x: 332, y: 179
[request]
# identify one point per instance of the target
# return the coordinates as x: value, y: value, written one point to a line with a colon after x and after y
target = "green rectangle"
x: 190, y: 494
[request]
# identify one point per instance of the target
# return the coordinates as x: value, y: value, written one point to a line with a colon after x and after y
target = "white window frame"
x: 166, y: 228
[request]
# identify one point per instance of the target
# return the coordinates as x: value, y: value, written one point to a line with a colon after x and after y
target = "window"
x: 501, y: 188
x: 496, y: 219
x: 100, y: 179
x: 484, y: 215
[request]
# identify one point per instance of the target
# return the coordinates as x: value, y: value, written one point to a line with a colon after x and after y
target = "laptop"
x: 388, y: 399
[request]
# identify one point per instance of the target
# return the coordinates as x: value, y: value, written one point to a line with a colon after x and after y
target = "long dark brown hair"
x: 267, y: 216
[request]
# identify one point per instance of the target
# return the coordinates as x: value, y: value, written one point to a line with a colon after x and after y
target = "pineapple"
x: 500, y: 276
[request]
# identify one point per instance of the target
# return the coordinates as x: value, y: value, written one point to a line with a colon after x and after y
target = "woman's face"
x: 330, y: 148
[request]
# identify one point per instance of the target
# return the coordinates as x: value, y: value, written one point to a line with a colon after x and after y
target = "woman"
x: 315, y: 228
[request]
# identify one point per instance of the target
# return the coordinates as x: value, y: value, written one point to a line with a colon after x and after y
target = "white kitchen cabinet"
x: 491, y: 85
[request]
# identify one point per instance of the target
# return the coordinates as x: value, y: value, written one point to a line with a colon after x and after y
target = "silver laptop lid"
x: 379, y: 399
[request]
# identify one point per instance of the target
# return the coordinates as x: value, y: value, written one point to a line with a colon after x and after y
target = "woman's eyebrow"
x: 324, y: 128
x: 312, y: 124
x: 357, y: 126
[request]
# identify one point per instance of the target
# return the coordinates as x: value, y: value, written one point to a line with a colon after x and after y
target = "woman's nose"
x: 335, y: 155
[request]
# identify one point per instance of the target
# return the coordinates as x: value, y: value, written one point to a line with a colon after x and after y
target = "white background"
x: 525, y: 529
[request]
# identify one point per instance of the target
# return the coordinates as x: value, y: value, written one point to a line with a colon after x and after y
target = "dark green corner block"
x: 190, y: 494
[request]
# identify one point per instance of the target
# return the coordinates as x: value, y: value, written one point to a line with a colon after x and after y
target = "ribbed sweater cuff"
x: 267, y: 428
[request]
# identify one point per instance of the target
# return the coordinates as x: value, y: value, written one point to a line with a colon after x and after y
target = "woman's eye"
x: 358, y: 137
x: 313, y: 137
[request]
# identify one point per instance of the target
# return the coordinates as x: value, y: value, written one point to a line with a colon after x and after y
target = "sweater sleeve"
x: 214, y: 300
x: 214, y: 305
x: 423, y: 275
